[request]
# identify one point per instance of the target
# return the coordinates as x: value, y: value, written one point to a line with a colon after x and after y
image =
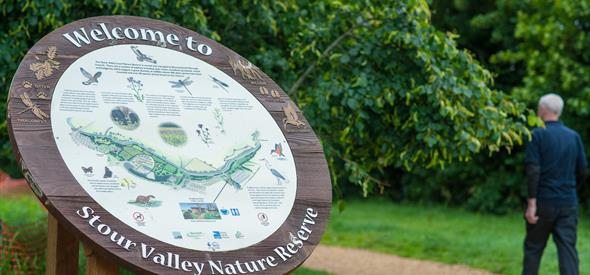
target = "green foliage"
x: 533, y: 47
x: 383, y: 88
x: 395, y: 92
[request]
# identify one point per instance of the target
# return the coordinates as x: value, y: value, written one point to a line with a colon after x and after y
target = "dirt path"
x: 343, y: 261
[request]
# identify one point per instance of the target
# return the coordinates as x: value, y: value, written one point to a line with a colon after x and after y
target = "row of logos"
x: 218, y: 235
x: 262, y: 217
x: 233, y: 211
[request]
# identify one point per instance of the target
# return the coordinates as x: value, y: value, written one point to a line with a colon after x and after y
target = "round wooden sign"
x: 166, y: 151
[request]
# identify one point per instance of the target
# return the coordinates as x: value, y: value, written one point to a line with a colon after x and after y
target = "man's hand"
x: 531, y: 212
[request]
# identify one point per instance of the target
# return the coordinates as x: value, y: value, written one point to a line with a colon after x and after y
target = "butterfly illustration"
x: 91, y: 78
x: 182, y: 83
x: 220, y: 83
x: 87, y: 170
x: 141, y: 57
x: 33, y: 107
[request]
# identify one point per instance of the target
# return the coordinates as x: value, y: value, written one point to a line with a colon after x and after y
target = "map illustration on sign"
x: 173, y: 147
x: 147, y: 164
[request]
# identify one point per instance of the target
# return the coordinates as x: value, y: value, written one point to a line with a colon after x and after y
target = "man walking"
x: 555, y: 161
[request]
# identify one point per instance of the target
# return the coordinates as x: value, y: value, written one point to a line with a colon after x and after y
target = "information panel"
x: 165, y: 152
x: 173, y: 147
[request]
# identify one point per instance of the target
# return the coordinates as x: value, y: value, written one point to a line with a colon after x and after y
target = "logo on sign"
x: 213, y: 245
x: 235, y: 212
x: 139, y: 218
x: 263, y: 218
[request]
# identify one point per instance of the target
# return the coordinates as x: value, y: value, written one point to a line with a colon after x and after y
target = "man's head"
x: 550, y: 107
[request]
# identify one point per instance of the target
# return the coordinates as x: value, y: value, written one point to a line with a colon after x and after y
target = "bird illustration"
x: 91, y: 78
x: 278, y: 150
x: 220, y: 83
x: 182, y: 83
x: 141, y: 57
x: 280, y: 178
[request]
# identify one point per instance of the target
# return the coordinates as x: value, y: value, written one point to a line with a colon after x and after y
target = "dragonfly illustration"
x: 141, y: 57
x: 33, y: 107
x: 220, y: 83
x: 91, y: 78
x: 182, y: 83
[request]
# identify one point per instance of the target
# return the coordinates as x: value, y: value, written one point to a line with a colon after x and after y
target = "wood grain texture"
x: 96, y: 265
x: 36, y: 150
x: 62, y: 249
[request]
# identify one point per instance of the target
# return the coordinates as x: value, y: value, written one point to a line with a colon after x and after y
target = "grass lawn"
x: 434, y: 233
x: 445, y: 235
x: 21, y: 211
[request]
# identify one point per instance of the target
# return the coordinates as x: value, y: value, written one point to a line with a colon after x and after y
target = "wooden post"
x: 62, y: 249
x: 95, y: 265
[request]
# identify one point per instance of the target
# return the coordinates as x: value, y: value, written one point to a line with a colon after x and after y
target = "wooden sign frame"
x: 32, y: 137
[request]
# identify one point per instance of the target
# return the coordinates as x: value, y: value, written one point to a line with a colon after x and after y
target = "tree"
x: 383, y: 88
x: 533, y: 47
x: 389, y: 91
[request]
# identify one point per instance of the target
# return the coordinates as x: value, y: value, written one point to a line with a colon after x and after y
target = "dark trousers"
x: 562, y: 223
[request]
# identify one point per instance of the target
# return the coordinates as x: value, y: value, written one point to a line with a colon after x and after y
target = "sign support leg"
x: 96, y: 265
x: 62, y: 249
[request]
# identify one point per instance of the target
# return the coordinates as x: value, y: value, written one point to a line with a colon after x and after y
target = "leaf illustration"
x: 51, y: 52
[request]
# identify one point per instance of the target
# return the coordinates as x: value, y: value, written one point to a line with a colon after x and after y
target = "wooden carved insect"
x: 220, y: 83
x: 291, y: 117
x: 182, y: 83
x: 141, y: 57
x: 91, y: 78
x: 33, y: 107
